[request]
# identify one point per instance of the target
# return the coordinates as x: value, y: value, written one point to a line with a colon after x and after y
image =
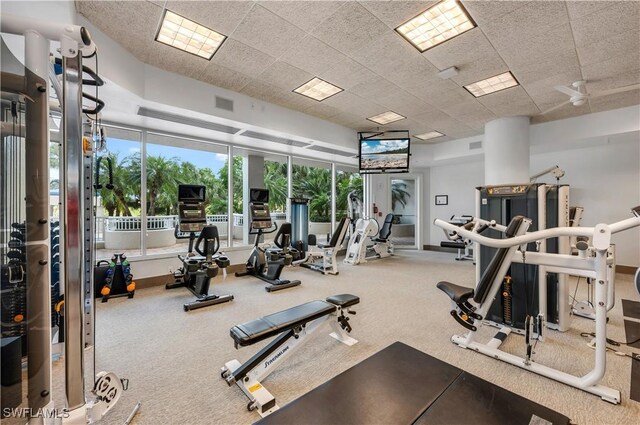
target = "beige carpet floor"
x: 173, y: 358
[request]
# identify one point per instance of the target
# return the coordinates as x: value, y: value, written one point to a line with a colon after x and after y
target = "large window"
x: 118, y: 215
x: 170, y: 162
x: 347, y: 180
x: 312, y: 180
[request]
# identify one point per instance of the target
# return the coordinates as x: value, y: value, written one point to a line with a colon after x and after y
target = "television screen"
x: 379, y: 156
x: 259, y: 195
x: 190, y: 193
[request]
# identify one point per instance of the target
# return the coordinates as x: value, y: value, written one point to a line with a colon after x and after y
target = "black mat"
x: 471, y: 400
x: 631, y: 309
x: 394, y: 386
x: 632, y: 331
x: 634, y: 392
x: 401, y: 385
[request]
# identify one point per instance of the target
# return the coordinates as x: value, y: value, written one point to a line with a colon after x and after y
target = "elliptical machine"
x: 267, y: 263
x: 198, y: 270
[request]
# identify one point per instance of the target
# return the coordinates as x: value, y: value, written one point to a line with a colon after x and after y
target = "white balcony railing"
x: 163, y: 222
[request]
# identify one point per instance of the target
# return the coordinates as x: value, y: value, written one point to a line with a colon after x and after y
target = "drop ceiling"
x: 274, y: 47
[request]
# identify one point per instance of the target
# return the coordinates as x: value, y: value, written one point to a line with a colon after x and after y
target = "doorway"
x: 405, y: 206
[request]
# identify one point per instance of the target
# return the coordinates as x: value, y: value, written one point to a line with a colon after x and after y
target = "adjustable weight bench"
x: 292, y: 326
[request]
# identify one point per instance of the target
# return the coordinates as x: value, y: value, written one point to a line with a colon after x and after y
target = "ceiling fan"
x: 578, y: 94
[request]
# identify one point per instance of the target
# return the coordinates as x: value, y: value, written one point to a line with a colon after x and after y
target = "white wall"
x: 458, y: 182
x: 605, y: 180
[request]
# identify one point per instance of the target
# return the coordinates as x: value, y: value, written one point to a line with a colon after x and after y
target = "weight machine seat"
x: 385, y: 232
x: 336, y: 235
x: 265, y: 327
x: 461, y: 294
x: 451, y: 244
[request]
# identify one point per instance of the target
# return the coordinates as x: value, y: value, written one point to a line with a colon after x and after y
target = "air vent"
x: 274, y: 139
x: 223, y: 103
x: 181, y: 119
x: 331, y: 151
x: 475, y: 145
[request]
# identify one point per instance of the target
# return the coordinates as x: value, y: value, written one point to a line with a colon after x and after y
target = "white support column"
x: 506, y: 151
x: 333, y: 197
x: 230, y: 196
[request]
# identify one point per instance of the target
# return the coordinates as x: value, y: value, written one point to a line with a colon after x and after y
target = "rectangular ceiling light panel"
x: 436, y: 25
x: 318, y: 89
x: 189, y: 36
x: 492, y: 84
x: 429, y: 135
x: 386, y: 118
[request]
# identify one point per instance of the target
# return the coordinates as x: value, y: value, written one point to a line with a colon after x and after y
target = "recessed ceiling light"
x: 318, y: 89
x: 492, y: 84
x: 184, y: 34
x: 386, y: 118
x: 436, y: 25
x: 429, y: 135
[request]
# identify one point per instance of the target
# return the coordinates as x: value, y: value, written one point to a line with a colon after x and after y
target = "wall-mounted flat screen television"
x: 384, y: 156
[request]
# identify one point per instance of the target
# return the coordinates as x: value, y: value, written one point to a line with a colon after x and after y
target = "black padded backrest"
x: 336, y: 235
x: 498, y: 259
x: 283, y: 237
x: 208, y: 233
x: 385, y: 232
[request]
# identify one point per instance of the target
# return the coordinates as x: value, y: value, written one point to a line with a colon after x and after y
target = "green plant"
x: 399, y: 193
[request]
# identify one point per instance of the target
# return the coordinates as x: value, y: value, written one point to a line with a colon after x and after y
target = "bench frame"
x: 249, y: 375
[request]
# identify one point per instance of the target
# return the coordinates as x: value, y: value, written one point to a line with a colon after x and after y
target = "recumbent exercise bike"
x: 197, y: 270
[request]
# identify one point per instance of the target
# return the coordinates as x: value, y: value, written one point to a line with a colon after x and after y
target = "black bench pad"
x: 343, y: 300
x: 457, y: 293
x: 265, y: 327
x: 451, y: 244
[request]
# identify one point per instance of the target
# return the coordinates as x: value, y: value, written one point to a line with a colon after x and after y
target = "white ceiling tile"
x: 542, y: 91
x: 380, y: 87
x: 566, y: 111
x: 350, y: 28
x: 483, y: 12
x: 436, y: 120
x: 354, y: 104
x: 566, y: 63
x: 240, y: 57
x: 614, y: 66
x: 262, y: 90
x: 405, y: 103
x: 266, y: 31
x: 614, y: 101
x: 221, y: 16
x: 396, y: 13
x: 224, y: 77
x: 473, y: 113
x: 321, y: 110
x: 285, y: 76
x: 132, y: 24
x: 620, y: 80
x: 306, y: 15
x: 510, y: 102
x: 467, y: 47
x: 618, y: 18
x: 579, y: 9
x: 347, y: 73
x: 622, y: 44
x: 175, y: 60
x: 296, y: 101
x: 312, y: 55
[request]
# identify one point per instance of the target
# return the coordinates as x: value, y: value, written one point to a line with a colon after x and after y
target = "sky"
x: 200, y: 159
x: 375, y: 146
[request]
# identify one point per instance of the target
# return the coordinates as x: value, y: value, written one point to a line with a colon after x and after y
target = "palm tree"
x: 237, y: 182
x: 275, y: 181
x: 126, y: 184
x: 162, y: 176
x: 399, y: 193
x: 316, y: 185
x: 346, y: 183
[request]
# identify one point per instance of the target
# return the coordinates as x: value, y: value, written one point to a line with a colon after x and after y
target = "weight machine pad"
x: 471, y: 400
x: 393, y: 386
x: 456, y: 245
x: 401, y: 385
x: 265, y: 327
x: 632, y: 331
x: 631, y: 309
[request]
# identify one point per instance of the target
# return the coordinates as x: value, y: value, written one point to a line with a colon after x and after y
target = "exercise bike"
x: 267, y: 263
x: 198, y: 270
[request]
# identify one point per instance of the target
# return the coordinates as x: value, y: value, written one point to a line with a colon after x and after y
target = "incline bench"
x: 292, y: 326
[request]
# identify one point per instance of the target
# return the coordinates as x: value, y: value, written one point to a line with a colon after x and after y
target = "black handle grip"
x: 483, y: 228
x: 99, y: 104
x: 636, y: 211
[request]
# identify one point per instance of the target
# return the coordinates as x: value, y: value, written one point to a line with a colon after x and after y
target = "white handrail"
x: 539, y: 235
